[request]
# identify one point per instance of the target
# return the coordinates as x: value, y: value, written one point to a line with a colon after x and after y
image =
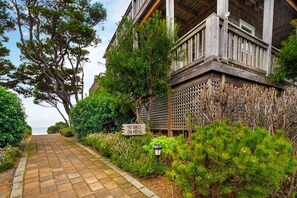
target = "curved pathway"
x: 58, y: 167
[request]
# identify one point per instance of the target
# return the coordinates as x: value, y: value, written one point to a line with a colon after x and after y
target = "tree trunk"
x: 64, y: 118
x: 138, y: 111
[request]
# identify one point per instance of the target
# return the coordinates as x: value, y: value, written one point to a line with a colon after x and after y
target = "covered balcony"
x: 242, y: 34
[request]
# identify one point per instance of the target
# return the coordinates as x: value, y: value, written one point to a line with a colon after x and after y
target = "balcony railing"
x: 204, y: 42
x: 274, y: 63
x: 191, y: 47
x: 244, y: 49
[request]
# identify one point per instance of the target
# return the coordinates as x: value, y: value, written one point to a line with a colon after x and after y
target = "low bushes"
x: 222, y: 160
x: 97, y: 113
x: 57, y: 127
x: 12, y: 118
x: 28, y: 131
x: 127, y: 152
x: 7, y: 155
x: 67, y: 132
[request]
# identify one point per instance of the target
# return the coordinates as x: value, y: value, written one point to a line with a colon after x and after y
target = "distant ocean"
x: 39, y: 131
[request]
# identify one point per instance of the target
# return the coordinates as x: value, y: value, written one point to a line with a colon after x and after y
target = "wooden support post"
x: 223, y: 12
x: 169, y: 134
x: 267, y: 32
x: 170, y: 15
x: 133, y: 9
x: 212, y: 37
x: 222, y: 8
x: 223, y: 81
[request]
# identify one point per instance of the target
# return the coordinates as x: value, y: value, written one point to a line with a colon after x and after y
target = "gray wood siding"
x: 158, y: 113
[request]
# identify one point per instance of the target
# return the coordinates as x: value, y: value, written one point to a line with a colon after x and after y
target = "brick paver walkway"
x: 57, y: 167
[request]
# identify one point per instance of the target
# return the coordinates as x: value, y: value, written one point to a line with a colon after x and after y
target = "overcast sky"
x: 41, y: 117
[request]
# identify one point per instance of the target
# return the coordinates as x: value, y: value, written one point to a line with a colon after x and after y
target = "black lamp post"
x: 157, y: 150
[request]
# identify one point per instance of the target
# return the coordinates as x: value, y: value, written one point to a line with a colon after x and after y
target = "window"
x: 247, y: 27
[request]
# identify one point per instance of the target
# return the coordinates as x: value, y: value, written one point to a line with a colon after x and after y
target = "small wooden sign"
x: 133, y: 129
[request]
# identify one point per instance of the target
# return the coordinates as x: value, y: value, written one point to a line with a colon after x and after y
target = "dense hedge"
x: 12, y: 118
x: 127, y: 153
x: 222, y: 160
x: 97, y: 113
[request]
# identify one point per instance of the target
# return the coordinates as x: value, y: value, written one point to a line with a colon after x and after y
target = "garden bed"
x: 6, y: 179
x: 162, y: 187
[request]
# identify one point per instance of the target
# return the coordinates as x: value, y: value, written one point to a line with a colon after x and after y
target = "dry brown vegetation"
x: 252, y: 105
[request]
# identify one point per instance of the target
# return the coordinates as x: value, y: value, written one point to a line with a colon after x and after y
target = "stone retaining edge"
x: 18, y: 180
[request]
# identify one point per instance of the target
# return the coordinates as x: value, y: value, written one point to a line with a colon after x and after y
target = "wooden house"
x: 231, y: 41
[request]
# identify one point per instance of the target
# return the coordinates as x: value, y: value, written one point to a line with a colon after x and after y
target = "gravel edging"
x: 18, y: 180
x: 128, y: 177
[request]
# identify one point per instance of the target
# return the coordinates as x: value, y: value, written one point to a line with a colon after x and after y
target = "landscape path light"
x: 157, y: 150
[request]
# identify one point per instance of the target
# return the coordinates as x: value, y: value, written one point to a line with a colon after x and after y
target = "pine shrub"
x: 222, y: 160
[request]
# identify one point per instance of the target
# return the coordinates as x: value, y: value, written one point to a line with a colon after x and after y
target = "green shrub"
x: 28, y: 131
x: 67, y: 132
x: 225, y: 160
x: 12, y: 118
x: 97, y: 113
x: 53, y: 129
x: 57, y: 127
x: 167, y: 143
x: 127, y: 152
x: 7, y: 155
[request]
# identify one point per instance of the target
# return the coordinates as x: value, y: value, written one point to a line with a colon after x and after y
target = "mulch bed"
x: 6, y: 179
x: 162, y: 186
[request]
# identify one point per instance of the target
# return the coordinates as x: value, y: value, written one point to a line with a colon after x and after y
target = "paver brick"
x: 46, y: 178
x: 117, y: 192
x: 47, y: 183
x: 31, y: 185
x: 53, y: 194
x: 105, y: 180
x: 68, y: 194
x: 48, y: 189
x: 91, y: 179
x: 64, y: 187
x: 76, y: 180
x: 101, y: 175
x: 81, y: 192
x: 102, y: 193
x: 73, y: 175
x: 119, y: 180
x: 132, y: 190
x: 62, y: 181
x: 96, y: 186
x: 110, y: 185
x: 79, y: 185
